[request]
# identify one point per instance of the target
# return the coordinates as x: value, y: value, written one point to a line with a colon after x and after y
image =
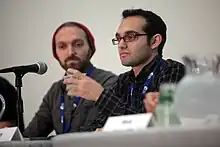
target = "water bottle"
x: 166, y: 115
x: 197, y: 95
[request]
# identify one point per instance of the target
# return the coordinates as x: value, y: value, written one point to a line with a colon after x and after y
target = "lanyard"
x: 66, y: 128
x: 148, y: 81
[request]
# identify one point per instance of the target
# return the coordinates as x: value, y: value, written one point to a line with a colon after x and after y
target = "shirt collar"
x: 145, y: 71
x: 86, y: 68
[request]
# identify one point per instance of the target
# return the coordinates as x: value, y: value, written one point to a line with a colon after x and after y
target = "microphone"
x: 39, y: 68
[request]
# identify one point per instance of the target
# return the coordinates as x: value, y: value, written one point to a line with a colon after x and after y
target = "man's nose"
x: 71, y: 50
x: 122, y: 44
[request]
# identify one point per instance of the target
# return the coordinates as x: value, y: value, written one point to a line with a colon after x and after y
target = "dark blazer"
x: 47, y: 117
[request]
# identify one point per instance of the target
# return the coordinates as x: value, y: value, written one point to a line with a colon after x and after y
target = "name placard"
x: 128, y: 122
x: 9, y: 134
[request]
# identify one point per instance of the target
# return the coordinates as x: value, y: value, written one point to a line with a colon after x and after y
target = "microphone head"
x: 42, y: 68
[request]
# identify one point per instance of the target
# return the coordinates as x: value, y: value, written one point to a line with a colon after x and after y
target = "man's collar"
x: 145, y: 71
x: 87, y: 67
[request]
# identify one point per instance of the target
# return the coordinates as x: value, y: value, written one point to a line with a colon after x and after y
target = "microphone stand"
x: 19, y: 104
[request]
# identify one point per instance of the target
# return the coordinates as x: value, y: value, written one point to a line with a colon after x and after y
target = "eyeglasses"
x: 127, y: 38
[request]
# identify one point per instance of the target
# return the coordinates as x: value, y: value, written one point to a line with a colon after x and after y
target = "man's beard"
x: 79, y: 65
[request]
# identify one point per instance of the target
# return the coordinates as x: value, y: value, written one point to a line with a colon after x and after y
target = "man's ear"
x: 155, y: 41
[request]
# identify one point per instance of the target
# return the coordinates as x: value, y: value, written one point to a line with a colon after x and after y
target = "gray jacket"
x: 47, y: 117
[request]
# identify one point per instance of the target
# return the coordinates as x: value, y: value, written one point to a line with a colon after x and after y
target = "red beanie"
x: 91, y: 40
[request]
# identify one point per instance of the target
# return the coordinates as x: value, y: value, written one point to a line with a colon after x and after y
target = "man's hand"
x: 81, y: 85
x: 99, y: 129
x: 151, y: 101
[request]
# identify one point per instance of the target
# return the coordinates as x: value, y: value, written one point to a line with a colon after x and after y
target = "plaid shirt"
x: 118, y: 101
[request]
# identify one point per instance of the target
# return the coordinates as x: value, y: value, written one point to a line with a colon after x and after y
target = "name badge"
x: 128, y: 122
x: 9, y: 134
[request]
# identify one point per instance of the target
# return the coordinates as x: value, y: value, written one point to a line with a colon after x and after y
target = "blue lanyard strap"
x: 67, y: 126
x: 148, y: 80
